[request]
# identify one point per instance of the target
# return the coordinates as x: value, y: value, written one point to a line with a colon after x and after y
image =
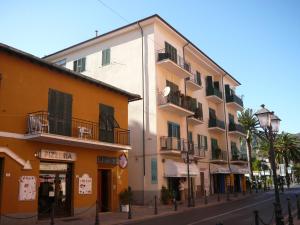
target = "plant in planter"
x: 165, y: 195
x: 125, y: 197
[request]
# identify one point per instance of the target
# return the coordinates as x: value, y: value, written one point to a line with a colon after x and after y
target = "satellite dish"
x: 166, y: 91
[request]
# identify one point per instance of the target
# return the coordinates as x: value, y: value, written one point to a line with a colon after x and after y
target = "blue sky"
x: 258, y: 42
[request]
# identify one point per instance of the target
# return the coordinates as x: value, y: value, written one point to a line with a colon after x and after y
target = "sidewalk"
x: 140, y: 213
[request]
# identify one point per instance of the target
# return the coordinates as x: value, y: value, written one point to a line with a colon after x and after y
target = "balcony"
x: 214, y: 95
x: 176, y: 65
x: 75, y: 132
x: 193, y: 82
x: 216, y: 125
x: 218, y: 156
x: 236, y: 129
x: 177, y: 103
x: 199, y: 151
x: 197, y: 118
x: 173, y: 145
x: 238, y: 157
x: 235, y: 102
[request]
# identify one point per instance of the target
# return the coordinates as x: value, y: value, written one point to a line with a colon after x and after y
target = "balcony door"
x: 60, y: 112
x: 214, y: 147
x: 171, y: 51
x: 107, y: 123
x: 174, y: 135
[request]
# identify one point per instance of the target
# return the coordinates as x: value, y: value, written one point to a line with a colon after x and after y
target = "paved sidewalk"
x: 140, y: 213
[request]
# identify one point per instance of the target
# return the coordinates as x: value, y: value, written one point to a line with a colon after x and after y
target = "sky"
x: 258, y: 42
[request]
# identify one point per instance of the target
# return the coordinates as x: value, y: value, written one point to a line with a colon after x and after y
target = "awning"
x: 215, y: 169
x: 179, y: 169
x: 238, y: 169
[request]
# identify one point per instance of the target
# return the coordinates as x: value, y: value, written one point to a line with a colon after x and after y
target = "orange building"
x: 64, y: 139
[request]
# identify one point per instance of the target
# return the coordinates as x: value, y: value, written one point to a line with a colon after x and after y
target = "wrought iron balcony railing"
x: 42, y: 122
x: 218, y: 154
x: 173, y: 144
x: 213, y: 91
x: 236, y: 127
x: 213, y: 122
x: 234, y: 98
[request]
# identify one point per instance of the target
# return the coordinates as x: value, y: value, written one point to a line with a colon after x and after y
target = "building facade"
x: 189, y: 104
x: 64, y: 140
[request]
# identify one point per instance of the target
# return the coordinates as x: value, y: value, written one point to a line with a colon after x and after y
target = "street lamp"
x: 187, y: 155
x: 269, y: 122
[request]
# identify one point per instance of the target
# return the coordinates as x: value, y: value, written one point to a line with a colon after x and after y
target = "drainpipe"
x: 143, y: 96
x: 187, y: 135
x: 226, y: 127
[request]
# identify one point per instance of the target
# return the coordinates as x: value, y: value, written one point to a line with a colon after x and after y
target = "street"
x: 238, y: 212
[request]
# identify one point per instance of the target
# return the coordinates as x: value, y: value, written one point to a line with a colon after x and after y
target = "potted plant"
x: 125, y: 198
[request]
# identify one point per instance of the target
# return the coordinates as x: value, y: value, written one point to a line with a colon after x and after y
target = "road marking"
x: 229, y: 212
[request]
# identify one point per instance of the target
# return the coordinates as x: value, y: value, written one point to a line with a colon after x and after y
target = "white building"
x: 188, y: 103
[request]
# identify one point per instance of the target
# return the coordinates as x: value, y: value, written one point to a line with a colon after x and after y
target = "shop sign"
x: 123, y: 161
x: 27, y: 188
x: 107, y: 160
x: 57, y: 155
x: 85, y: 185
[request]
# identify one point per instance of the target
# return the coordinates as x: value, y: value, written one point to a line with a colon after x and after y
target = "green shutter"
x: 205, y: 142
x: 105, y: 57
x: 106, y: 120
x: 82, y: 65
x: 75, y: 66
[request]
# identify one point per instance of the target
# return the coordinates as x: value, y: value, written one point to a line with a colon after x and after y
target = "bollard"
x: 175, y: 204
x: 291, y: 222
x: 52, y: 214
x: 205, y: 198
x: 97, y: 214
x: 155, y: 205
x: 256, y: 217
x: 129, y: 211
x: 298, y: 207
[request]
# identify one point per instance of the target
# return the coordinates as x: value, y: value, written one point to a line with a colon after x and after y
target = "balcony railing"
x: 238, y: 156
x: 210, y: 91
x: 178, y: 99
x: 199, y: 151
x: 216, y: 123
x: 163, y: 55
x: 234, y: 98
x: 236, y: 127
x: 43, y: 123
x: 173, y: 144
x: 218, y: 154
x: 193, y: 78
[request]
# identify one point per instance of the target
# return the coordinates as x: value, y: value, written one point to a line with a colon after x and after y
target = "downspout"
x: 187, y: 133
x: 143, y: 96
x: 226, y: 126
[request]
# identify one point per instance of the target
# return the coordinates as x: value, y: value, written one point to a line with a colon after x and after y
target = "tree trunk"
x: 287, y: 176
x: 249, y: 160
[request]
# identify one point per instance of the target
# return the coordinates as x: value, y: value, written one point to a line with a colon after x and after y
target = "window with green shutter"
x: 171, y: 51
x: 107, y: 123
x: 198, y: 78
x: 202, y: 141
x: 79, y: 65
x: 106, y: 57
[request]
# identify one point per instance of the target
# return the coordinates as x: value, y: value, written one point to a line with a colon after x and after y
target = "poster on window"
x: 85, y: 185
x: 27, y: 188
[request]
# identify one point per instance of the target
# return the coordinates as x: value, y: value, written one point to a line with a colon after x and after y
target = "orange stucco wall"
x: 24, y: 87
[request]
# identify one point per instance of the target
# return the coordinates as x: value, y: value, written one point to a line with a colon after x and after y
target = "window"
x: 202, y: 141
x: 79, y: 65
x: 198, y: 78
x: 61, y: 62
x: 105, y: 57
x: 190, y: 136
x: 171, y: 51
x: 107, y: 123
x: 60, y: 112
x: 173, y: 130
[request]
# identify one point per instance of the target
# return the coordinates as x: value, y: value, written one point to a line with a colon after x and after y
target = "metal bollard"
x: 175, y: 204
x: 298, y: 207
x: 155, y: 205
x: 256, y: 221
x: 205, y: 198
x: 52, y: 214
x: 129, y: 211
x: 97, y: 214
x: 291, y: 222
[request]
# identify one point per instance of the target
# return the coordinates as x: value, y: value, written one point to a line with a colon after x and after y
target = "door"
x: 55, y: 188
x: 171, y: 51
x: 60, y: 112
x: 201, y: 183
x: 173, y: 186
x: 107, y: 123
x: 174, y: 133
x: 104, y: 189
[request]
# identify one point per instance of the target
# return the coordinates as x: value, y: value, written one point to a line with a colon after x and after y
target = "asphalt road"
x: 239, y: 212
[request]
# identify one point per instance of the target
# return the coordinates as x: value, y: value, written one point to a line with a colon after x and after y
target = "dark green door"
x: 60, y: 112
x: 107, y: 125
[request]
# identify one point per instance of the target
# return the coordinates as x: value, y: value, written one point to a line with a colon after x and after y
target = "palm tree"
x: 287, y: 147
x: 249, y: 122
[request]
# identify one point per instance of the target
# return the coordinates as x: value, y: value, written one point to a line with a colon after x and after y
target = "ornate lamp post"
x: 269, y: 122
x: 187, y: 154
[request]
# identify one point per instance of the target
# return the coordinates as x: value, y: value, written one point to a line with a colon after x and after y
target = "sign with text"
x: 57, y: 155
x: 85, y: 184
x: 27, y: 188
x: 107, y: 160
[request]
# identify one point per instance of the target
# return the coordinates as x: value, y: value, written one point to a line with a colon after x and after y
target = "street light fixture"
x: 269, y: 122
